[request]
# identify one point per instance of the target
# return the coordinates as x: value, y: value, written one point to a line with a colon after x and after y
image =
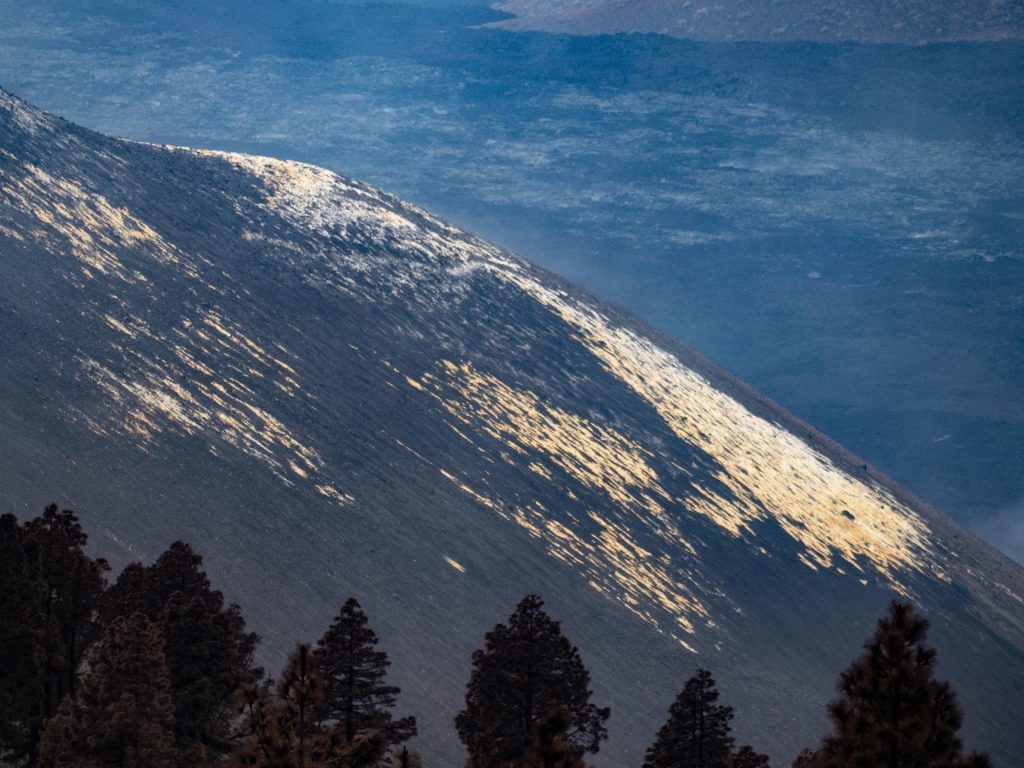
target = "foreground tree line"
x: 156, y: 671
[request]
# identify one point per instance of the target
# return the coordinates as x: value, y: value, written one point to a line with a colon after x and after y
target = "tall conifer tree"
x: 891, y: 711
x: 697, y: 733
x: 280, y: 727
x: 357, y: 698
x: 74, y: 583
x: 526, y: 669
x: 123, y: 716
x: 209, y: 652
x: 21, y: 600
x: 52, y: 606
x: 300, y: 693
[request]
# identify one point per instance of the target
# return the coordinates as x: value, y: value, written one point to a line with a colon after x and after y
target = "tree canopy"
x: 158, y: 671
x: 697, y: 733
x: 526, y: 670
x: 124, y: 715
x: 891, y: 711
x: 209, y: 653
x: 357, y: 697
x: 51, y: 591
x: 280, y: 730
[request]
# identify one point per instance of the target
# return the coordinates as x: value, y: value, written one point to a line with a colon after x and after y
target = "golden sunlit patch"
x: 596, y: 456
x: 770, y: 472
x: 454, y: 564
x: 84, y: 221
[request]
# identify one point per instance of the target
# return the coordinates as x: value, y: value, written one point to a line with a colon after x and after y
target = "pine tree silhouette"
x: 301, y: 691
x: 49, y: 621
x: 697, y: 733
x: 280, y: 729
x: 526, y: 669
x: 209, y: 653
x: 357, y: 699
x: 891, y: 711
x: 21, y: 601
x: 123, y: 715
x: 262, y: 743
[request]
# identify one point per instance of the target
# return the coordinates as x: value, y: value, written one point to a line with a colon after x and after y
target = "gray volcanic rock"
x: 330, y: 392
x: 864, y: 21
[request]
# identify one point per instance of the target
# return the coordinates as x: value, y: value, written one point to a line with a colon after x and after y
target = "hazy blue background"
x: 841, y: 225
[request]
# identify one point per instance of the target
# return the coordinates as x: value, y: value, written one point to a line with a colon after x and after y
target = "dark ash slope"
x: 330, y: 392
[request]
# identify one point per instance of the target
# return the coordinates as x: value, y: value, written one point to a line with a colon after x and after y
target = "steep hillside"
x: 863, y: 21
x: 330, y: 392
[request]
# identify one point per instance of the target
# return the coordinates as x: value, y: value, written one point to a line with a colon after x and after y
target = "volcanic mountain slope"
x: 864, y: 21
x: 330, y: 392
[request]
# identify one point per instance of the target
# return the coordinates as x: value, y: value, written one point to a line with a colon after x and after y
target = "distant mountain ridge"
x: 330, y: 392
x: 864, y: 21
